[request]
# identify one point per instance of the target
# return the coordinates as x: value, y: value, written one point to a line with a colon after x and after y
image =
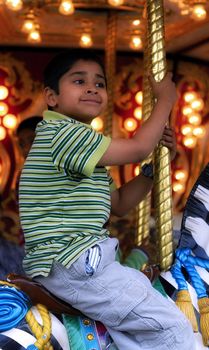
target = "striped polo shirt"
x: 64, y: 197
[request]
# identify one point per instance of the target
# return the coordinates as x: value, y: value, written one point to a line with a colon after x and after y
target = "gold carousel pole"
x: 144, y: 207
x: 162, y: 179
x: 110, y: 63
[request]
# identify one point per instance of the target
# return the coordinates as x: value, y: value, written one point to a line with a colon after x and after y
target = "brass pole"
x: 144, y: 207
x: 110, y: 63
x: 162, y: 179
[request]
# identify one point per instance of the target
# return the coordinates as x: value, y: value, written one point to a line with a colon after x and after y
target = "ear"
x: 50, y: 97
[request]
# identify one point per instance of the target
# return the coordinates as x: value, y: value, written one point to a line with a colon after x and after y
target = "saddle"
x: 38, y: 294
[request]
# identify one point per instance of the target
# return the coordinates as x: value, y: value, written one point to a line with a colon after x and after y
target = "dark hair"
x: 64, y: 61
x: 29, y: 123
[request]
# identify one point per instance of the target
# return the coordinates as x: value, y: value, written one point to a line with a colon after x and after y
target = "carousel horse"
x: 187, y: 282
x: 23, y: 326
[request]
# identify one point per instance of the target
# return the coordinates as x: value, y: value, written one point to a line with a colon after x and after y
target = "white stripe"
x: 202, y: 194
x: 21, y: 337
x: 199, y: 230
x: 60, y: 333
x: 94, y: 257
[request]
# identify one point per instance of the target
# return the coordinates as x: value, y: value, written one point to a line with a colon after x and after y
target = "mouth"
x: 93, y: 102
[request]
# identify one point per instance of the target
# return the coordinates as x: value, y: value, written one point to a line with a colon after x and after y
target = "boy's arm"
x: 129, y: 195
x: 132, y: 193
x: 126, y: 151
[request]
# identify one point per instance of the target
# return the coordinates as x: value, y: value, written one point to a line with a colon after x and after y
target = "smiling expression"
x: 82, y: 92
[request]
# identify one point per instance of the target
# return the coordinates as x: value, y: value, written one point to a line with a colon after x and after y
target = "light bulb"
x: 130, y: 124
x: 186, y: 110
x: 28, y: 25
x: 199, y: 12
x: 197, y: 104
x: 180, y: 174
x: 115, y: 2
x: 138, y: 113
x: 190, y: 141
x: 136, y: 22
x: 178, y: 187
x: 3, y: 92
x: 137, y: 170
x: 195, y: 119
x: 86, y: 40
x: 190, y: 96
x: 187, y: 129
x: 136, y: 42
x: 10, y: 121
x: 185, y: 11
x: 66, y: 7
x: 14, y: 5
x: 199, y: 131
x: 3, y: 109
x: 97, y: 124
x: 139, y: 97
x: 34, y: 36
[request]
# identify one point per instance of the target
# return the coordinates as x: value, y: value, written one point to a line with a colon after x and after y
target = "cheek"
x: 70, y: 97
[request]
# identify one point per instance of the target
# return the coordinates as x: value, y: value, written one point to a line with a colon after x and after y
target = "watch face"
x: 147, y: 170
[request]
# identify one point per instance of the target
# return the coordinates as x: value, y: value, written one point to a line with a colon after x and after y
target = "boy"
x: 65, y: 200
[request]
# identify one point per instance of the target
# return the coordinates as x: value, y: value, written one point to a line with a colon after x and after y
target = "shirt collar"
x: 52, y: 116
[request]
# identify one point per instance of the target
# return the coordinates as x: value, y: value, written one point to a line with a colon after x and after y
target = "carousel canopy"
x: 73, y: 23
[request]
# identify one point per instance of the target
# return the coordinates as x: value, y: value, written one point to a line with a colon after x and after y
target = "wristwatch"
x: 147, y: 170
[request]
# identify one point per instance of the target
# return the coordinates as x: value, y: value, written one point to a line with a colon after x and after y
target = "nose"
x: 91, y: 91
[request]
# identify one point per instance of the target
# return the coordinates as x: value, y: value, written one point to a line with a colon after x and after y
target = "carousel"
x: 32, y: 318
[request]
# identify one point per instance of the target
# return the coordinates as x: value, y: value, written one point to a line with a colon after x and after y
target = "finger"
x: 168, y: 129
x: 167, y: 144
x: 167, y: 137
x: 167, y: 134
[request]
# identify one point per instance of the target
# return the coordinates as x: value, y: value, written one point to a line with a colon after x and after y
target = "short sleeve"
x: 78, y: 148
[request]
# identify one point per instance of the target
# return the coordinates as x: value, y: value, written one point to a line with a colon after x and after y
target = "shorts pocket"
x: 130, y: 295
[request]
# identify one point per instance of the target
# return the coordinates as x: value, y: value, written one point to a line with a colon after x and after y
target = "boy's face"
x: 82, y: 92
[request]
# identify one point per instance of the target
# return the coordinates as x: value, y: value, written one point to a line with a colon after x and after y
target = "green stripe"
x: 64, y: 197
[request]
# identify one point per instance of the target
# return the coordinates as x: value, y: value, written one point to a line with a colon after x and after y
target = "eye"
x: 79, y: 81
x: 100, y: 85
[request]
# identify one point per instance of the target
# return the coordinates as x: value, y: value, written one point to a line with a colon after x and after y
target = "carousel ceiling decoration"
x: 84, y: 13
x: 195, y: 8
x: 74, y: 23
